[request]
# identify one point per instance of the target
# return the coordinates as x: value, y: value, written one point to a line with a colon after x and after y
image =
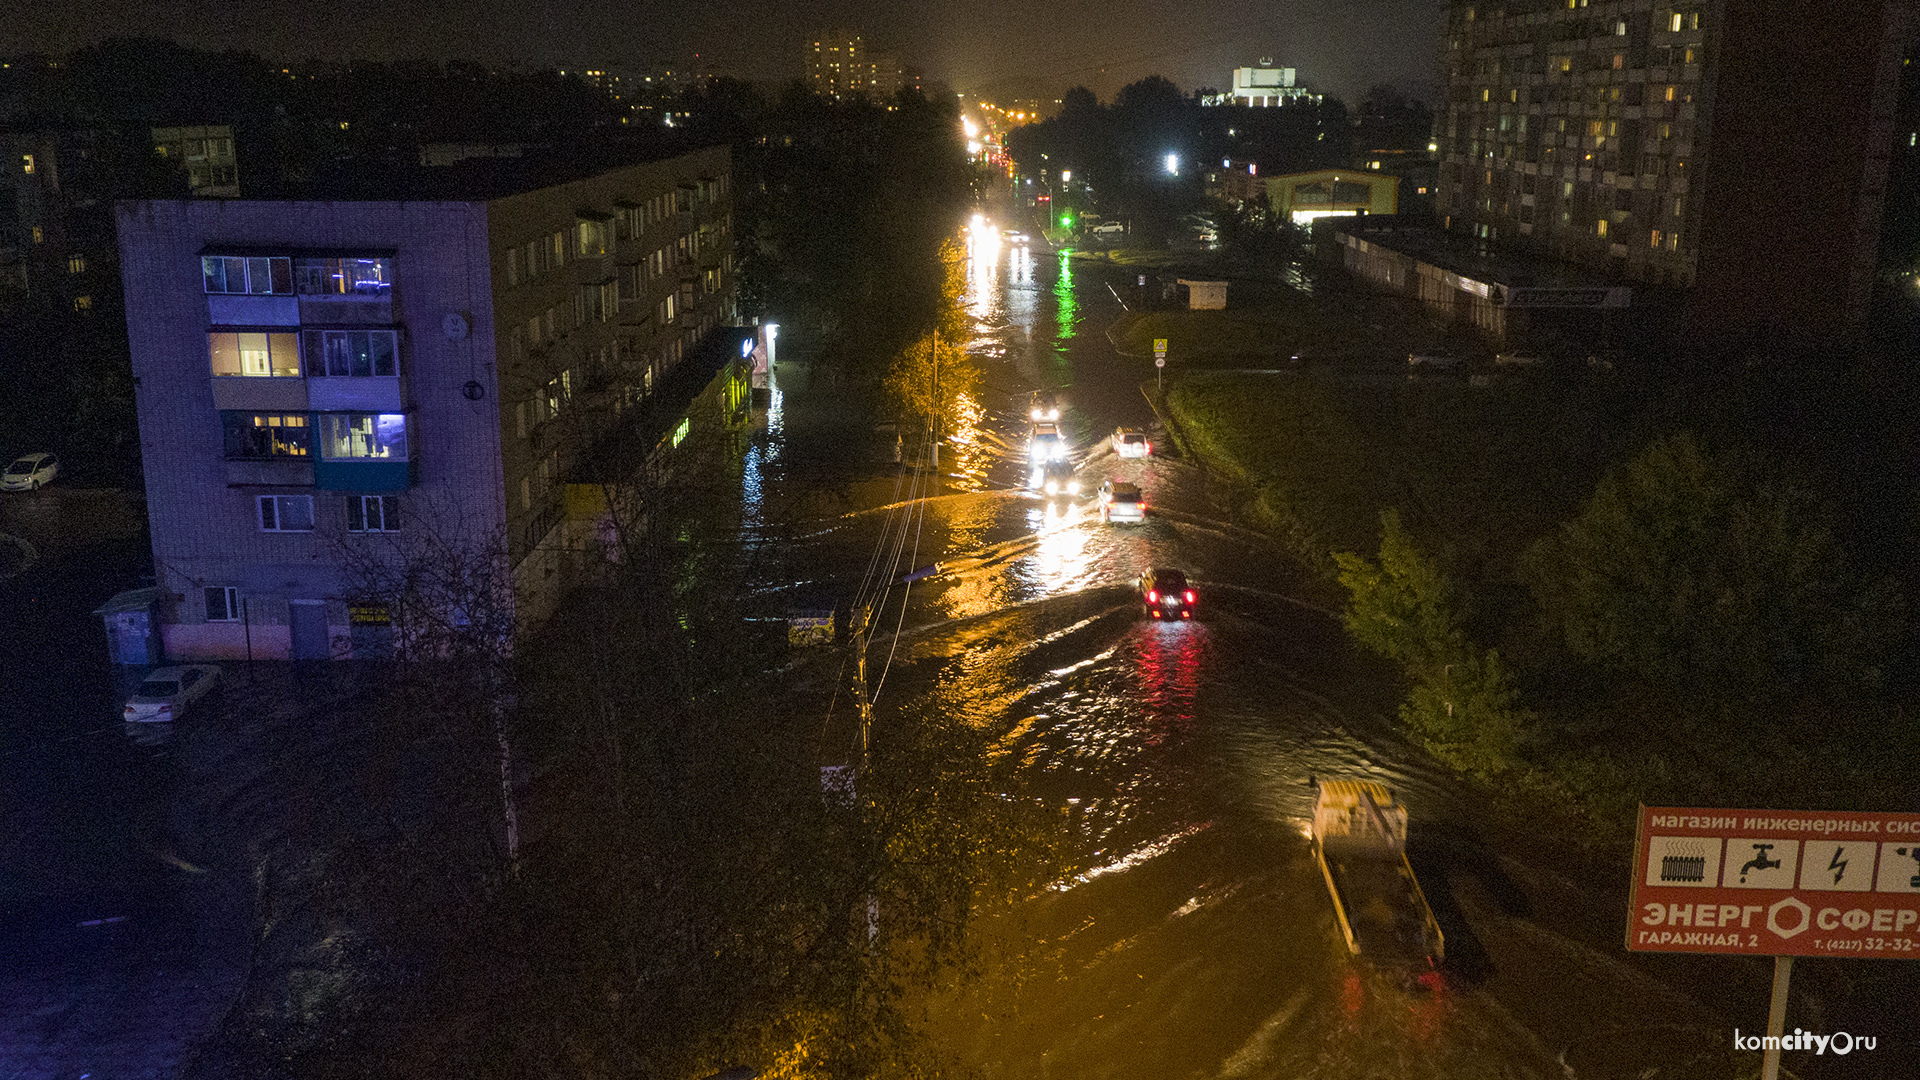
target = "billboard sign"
x: 1776, y: 883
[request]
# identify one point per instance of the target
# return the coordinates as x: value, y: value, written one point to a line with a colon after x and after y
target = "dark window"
x: 223, y: 603
x: 286, y: 513
x: 260, y: 275
x: 373, y: 513
x: 344, y: 353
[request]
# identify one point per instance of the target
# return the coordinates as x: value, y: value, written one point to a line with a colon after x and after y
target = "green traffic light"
x: 1066, y: 221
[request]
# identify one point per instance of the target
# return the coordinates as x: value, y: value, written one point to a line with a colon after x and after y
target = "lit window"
x: 1670, y: 93
x: 1673, y: 241
x: 253, y: 353
x: 76, y: 264
x: 83, y: 303
x: 26, y: 163
x: 363, y: 436
x: 1600, y: 227
x: 38, y: 236
x: 286, y: 513
x: 255, y: 436
x: 344, y: 277
x: 1619, y: 61
x: 1654, y: 239
x: 1673, y: 23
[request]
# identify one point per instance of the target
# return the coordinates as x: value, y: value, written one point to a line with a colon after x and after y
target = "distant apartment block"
x: 56, y: 239
x: 205, y: 154
x: 318, y: 378
x: 1736, y: 149
x: 840, y: 65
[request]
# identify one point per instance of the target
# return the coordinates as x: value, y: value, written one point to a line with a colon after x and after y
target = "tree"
x: 1709, y: 573
x: 1462, y: 702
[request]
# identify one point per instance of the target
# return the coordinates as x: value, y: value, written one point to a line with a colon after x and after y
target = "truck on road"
x: 1360, y: 841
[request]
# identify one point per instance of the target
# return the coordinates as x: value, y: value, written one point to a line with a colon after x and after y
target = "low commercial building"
x: 320, y: 382
x: 1510, y: 298
x: 1302, y: 197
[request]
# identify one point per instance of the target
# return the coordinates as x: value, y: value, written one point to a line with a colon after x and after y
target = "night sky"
x: 993, y: 47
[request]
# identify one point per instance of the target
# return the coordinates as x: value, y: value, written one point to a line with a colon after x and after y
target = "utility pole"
x: 936, y: 400
x: 861, y: 619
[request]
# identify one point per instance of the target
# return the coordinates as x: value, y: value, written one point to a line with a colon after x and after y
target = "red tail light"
x: 1189, y: 596
x: 1152, y: 597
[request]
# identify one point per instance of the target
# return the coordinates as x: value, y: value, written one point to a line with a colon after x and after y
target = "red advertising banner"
x: 1776, y: 883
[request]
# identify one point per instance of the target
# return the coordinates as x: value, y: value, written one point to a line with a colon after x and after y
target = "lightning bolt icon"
x: 1838, y: 865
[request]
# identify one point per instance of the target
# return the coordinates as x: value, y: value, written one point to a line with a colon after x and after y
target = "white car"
x: 1122, y: 502
x: 169, y: 690
x: 1132, y: 442
x: 30, y: 471
x: 1108, y: 229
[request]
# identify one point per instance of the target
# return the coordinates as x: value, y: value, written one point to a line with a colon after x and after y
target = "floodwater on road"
x: 1199, y: 940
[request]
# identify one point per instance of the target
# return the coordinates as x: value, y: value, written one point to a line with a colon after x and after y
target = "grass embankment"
x: 1566, y: 722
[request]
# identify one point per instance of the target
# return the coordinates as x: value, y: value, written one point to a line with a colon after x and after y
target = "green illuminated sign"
x: 680, y: 432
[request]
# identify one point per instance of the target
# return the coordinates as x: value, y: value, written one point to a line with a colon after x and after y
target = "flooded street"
x: 1194, y: 936
x: 1198, y: 939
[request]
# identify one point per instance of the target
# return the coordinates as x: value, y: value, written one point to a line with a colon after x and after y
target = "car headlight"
x: 1053, y: 486
x: 1073, y: 487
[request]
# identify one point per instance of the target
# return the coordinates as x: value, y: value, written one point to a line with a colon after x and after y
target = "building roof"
x: 398, y: 175
x: 1469, y: 258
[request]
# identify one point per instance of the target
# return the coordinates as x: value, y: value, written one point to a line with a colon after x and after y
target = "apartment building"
x: 840, y: 65
x: 1735, y: 149
x: 205, y: 154
x: 318, y: 378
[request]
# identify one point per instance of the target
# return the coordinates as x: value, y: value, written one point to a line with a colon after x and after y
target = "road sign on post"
x: 1776, y: 883
x: 1779, y: 883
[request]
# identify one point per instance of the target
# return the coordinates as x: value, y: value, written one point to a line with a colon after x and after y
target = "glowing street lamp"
x: 1173, y: 164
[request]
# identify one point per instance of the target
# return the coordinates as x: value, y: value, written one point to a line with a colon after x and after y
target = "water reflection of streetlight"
x: 971, y: 459
x: 1060, y: 560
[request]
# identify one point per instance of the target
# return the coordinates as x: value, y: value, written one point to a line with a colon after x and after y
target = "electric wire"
x: 894, y: 646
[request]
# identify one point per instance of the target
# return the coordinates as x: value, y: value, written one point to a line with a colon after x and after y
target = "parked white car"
x: 30, y: 471
x: 1131, y: 443
x: 1109, y: 229
x: 169, y: 690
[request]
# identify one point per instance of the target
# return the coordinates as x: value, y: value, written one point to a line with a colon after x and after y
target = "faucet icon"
x: 1759, y: 861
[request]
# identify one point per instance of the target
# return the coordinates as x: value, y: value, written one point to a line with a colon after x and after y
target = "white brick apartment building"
x: 317, y: 378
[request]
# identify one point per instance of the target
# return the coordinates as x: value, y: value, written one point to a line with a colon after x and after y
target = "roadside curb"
x: 1156, y: 400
